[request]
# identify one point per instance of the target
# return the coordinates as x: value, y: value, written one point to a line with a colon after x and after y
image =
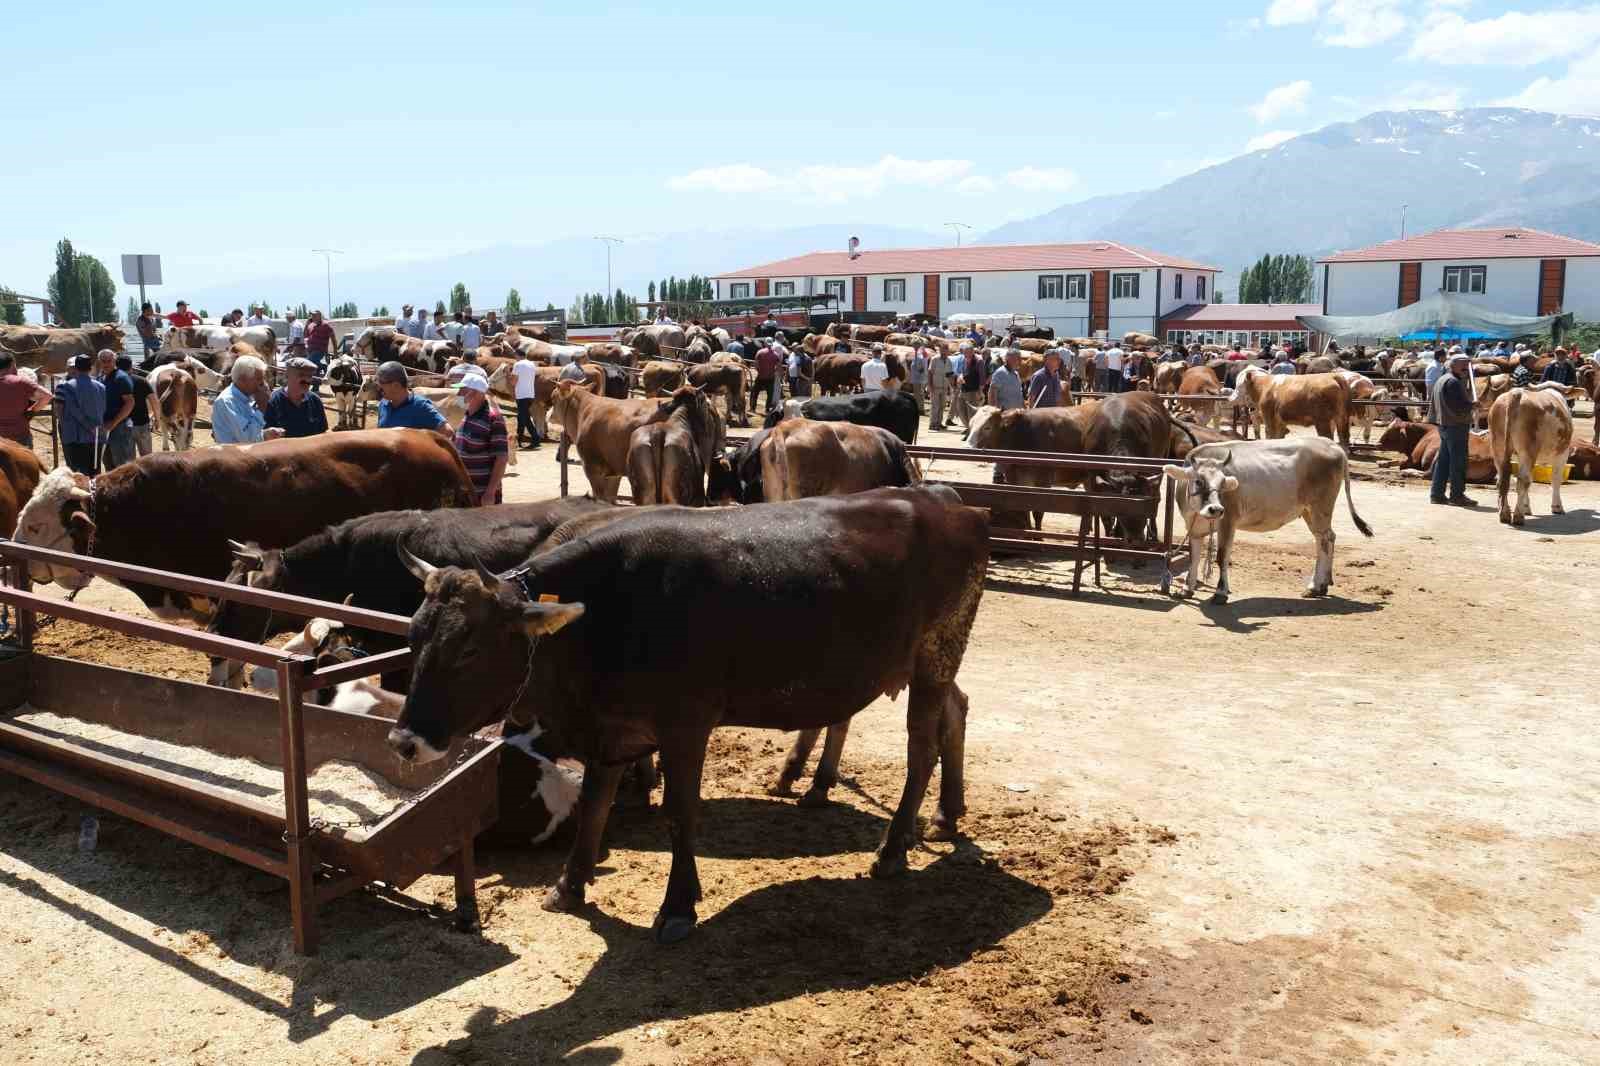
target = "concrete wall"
x: 1583, y: 288
x: 1510, y: 285
x: 911, y: 305
x: 1363, y: 288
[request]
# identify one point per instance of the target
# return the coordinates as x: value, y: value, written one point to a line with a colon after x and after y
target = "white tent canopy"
x: 1444, y: 314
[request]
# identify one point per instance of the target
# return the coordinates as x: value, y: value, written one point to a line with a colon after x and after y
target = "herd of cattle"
x: 584, y: 614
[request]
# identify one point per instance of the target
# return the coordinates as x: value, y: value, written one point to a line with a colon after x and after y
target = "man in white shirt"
x: 417, y: 324
x: 256, y: 317
x: 874, y: 371
x: 451, y: 330
x: 434, y: 330
x: 471, y: 335
x: 526, y: 374
x: 297, y: 335
x: 1113, y: 369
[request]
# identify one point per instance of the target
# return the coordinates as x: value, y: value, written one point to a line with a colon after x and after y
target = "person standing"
x: 297, y: 334
x: 19, y: 398
x: 1284, y: 367
x: 940, y: 371
x: 433, y: 330
x: 492, y: 326
x: 1044, y: 388
x: 118, y: 434
x: 295, y: 407
x: 1561, y: 370
x: 451, y: 330
x: 1005, y: 386
x: 1430, y: 378
x: 258, y: 316
x: 796, y: 369
x: 1452, y: 404
x: 874, y: 371
x: 471, y: 335
x: 81, y: 409
x: 147, y: 325
x: 1114, y: 368
x: 319, y: 339
x: 143, y: 406
x: 917, y: 374
x: 973, y: 380
x: 235, y: 418
x: 526, y: 374
x: 574, y: 370
x: 481, y: 439
x: 402, y: 409
x: 766, y: 370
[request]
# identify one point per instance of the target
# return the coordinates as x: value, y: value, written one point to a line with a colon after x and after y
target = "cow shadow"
x: 1572, y: 524
x: 1235, y: 615
x: 770, y: 945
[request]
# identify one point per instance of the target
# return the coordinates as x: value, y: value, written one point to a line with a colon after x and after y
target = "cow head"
x: 322, y: 639
x: 57, y: 517
x: 257, y: 568
x: 363, y: 343
x: 1204, y: 480
x: 470, y: 641
x: 983, y: 431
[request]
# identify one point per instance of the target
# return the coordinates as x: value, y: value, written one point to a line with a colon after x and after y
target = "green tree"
x: 133, y: 311
x: 99, y: 291
x: 651, y: 291
x: 575, y: 312
x: 460, y: 298
x: 10, y: 308
x: 65, y: 287
x: 348, y: 309
x: 266, y: 308
x: 438, y: 305
x: 381, y: 311
x: 549, y: 307
x: 513, y: 304
x: 1281, y: 278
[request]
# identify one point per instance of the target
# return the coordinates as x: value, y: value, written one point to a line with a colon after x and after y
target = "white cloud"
x: 1291, y: 12
x: 1361, y: 23
x: 1284, y: 100
x: 735, y: 177
x: 1422, y: 96
x: 1270, y: 139
x: 1515, y: 39
x: 1575, y: 93
x: 975, y: 185
x: 829, y: 184
x: 1042, y: 179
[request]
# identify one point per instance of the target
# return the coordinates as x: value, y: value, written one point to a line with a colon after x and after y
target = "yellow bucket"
x: 1542, y: 472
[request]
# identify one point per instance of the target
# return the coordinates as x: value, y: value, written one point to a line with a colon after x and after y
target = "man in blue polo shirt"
x: 399, y: 409
x: 295, y: 407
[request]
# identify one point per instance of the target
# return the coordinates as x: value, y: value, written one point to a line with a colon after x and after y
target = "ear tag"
x: 549, y: 597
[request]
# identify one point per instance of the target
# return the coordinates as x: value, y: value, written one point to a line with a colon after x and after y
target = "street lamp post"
x: 327, y: 257
x: 609, y: 241
x: 958, y: 227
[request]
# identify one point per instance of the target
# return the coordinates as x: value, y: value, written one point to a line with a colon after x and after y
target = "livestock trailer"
x: 432, y: 812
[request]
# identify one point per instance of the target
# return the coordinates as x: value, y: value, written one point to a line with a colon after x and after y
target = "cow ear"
x: 82, y: 519
x: 1176, y: 473
x: 1230, y: 484
x: 541, y: 619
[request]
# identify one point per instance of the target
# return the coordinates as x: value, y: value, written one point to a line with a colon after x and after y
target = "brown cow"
x: 1319, y: 400
x: 1034, y: 344
x: 1197, y: 382
x: 274, y: 493
x: 602, y: 429
x: 838, y: 373
x: 667, y: 457
x: 174, y: 397
x: 870, y: 334
x: 1534, y: 428
x: 1585, y: 460
x: 20, y: 473
x: 1418, y: 443
x: 385, y: 343
x: 1168, y: 376
x: 50, y: 348
x: 1362, y: 388
x: 544, y: 391
x: 660, y: 378
x: 620, y: 354
x: 801, y: 458
x: 816, y: 344
x: 725, y: 378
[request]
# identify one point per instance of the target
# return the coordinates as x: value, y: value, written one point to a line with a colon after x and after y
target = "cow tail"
x: 1350, y: 501
x: 908, y: 467
x: 1194, y: 441
x: 1502, y: 447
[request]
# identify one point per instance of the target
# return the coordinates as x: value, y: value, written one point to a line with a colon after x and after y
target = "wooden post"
x: 466, y: 887
x: 302, y: 893
x: 26, y: 619
x: 561, y: 461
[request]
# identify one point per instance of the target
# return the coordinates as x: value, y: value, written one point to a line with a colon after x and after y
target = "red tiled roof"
x: 974, y: 258
x: 1512, y: 242
x: 1203, y: 314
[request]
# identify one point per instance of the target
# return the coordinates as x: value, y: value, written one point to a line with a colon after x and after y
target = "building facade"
x: 1516, y: 271
x: 1247, y: 325
x: 1077, y: 289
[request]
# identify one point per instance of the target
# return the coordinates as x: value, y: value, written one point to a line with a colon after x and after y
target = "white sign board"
x: 141, y: 270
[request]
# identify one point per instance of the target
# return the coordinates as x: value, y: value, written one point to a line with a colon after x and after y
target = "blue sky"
x: 234, y: 141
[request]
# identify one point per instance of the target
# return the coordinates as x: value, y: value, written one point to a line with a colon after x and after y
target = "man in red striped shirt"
x: 481, y: 439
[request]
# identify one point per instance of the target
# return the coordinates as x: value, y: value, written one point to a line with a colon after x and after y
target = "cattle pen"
x: 448, y: 802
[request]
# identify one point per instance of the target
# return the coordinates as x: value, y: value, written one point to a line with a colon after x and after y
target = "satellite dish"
x: 855, y: 242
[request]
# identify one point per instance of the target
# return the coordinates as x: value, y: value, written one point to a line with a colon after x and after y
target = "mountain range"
x: 1343, y: 186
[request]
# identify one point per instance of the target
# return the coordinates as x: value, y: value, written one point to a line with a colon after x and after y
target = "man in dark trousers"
x: 81, y: 407
x: 1452, y: 409
x: 766, y: 369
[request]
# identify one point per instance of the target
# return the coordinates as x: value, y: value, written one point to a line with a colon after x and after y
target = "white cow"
x: 261, y: 339
x: 1260, y: 486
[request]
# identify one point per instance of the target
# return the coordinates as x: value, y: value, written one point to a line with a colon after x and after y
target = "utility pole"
x: 1403, y: 220
x: 327, y: 257
x: 958, y: 227
x: 609, y: 241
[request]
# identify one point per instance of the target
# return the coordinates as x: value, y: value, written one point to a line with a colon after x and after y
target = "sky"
x: 233, y: 140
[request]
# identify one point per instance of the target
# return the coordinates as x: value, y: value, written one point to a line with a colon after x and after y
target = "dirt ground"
x: 1360, y: 829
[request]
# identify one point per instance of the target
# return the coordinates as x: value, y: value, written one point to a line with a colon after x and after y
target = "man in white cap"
x: 481, y: 439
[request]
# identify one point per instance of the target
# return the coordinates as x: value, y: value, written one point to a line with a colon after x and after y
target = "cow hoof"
x: 1219, y: 597
x: 671, y: 930
x: 1557, y: 510
x: 560, y: 901
x: 887, y: 866
x: 1516, y: 519
x: 784, y: 787
x: 941, y: 830
x: 1505, y: 518
x: 813, y: 799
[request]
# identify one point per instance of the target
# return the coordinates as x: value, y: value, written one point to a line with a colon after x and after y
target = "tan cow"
x: 668, y: 456
x: 1362, y: 388
x: 174, y: 397
x: 1318, y: 400
x: 602, y: 429
x: 659, y: 378
x: 1534, y: 428
x: 544, y: 392
x: 259, y: 340
x: 1487, y: 388
x: 801, y: 458
x: 1198, y: 382
x: 725, y: 378
x: 50, y: 348
x: 20, y: 472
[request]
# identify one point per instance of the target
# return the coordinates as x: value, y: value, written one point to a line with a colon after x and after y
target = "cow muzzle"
x: 1211, y: 510
x: 411, y: 747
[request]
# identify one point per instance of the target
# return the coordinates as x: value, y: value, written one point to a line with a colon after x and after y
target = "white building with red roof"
x: 1075, y: 288
x: 1514, y: 270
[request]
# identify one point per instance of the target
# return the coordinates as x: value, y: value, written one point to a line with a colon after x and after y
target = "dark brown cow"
x: 801, y: 458
x: 838, y: 373
x: 667, y: 457
x: 178, y: 510
x: 727, y: 379
x: 811, y: 566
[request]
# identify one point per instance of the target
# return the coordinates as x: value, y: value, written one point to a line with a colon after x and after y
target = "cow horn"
x: 420, y: 568
x: 490, y: 579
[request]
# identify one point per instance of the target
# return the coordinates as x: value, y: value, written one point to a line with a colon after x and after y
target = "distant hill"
x: 1343, y: 186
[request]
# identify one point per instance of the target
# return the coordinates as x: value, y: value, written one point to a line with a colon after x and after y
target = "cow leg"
x: 682, y: 764
x: 952, y: 766
x: 1322, y: 572
x: 1524, y: 491
x: 594, y: 805
x: 541, y: 424
x: 1502, y: 474
x: 924, y: 714
x: 1224, y: 557
x: 1196, y: 548
x: 794, y: 765
x: 1556, y: 471
x: 827, y: 774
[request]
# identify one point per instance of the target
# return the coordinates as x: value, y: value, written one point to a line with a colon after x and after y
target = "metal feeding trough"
x: 436, y: 811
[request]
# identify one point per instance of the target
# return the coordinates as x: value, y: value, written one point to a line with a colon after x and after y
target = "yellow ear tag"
x: 547, y: 597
